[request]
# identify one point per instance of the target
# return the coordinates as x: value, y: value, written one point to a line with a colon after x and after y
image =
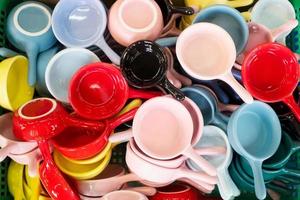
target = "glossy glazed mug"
x: 42, y: 62
x: 230, y: 20
x: 194, y: 49
x: 62, y: 67
x: 130, y: 21
x: 279, y: 78
x: 85, y: 31
x: 160, y: 175
x: 81, y: 171
x: 164, y: 117
x: 144, y: 65
x: 177, y: 190
x: 273, y: 14
x: 14, y: 87
x: 208, y: 106
x: 254, y: 132
x: 29, y: 29
x: 99, y: 91
x: 214, y: 136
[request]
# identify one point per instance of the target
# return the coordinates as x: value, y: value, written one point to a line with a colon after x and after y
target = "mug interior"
x: 205, y: 51
x: 79, y: 23
x: 62, y: 67
x: 32, y: 19
x: 257, y: 130
x: 163, y: 128
x: 259, y: 70
x: 144, y: 64
x: 272, y: 13
x: 37, y: 108
x: 145, y: 10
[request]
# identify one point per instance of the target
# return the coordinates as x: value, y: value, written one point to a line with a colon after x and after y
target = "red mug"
x: 39, y: 120
x: 271, y: 72
x: 99, y: 91
x: 175, y: 192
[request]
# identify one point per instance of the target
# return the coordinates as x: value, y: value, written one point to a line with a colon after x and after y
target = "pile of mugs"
x: 151, y: 74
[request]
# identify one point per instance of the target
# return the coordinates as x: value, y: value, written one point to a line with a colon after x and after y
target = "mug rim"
x: 31, y: 5
x: 154, y: 10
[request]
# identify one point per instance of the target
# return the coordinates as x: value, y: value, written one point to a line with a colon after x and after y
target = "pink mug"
x: 131, y: 20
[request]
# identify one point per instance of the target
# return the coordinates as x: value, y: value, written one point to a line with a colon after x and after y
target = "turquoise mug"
x: 42, y: 62
x: 286, y: 149
x: 254, y: 132
x: 208, y: 106
x: 29, y: 29
x: 6, y: 53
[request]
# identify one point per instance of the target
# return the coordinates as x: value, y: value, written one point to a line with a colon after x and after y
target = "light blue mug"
x: 254, y: 132
x: 63, y: 66
x: 208, y: 106
x: 42, y: 62
x: 29, y: 29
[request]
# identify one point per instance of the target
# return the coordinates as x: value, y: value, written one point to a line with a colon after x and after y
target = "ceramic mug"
x: 130, y: 21
x: 99, y: 91
x: 214, y: 136
x: 144, y: 65
x: 279, y: 61
x: 208, y: 105
x: 29, y: 29
x: 85, y: 31
x: 254, y: 132
x: 14, y: 87
x: 194, y: 49
x: 62, y: 67
x: 273, y: 14
x: 155, y: 118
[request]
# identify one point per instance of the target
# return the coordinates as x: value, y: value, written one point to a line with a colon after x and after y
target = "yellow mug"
x: 14, y: 88
x: 33, y: 184
x: 81, y: 171
x: 15, y: 180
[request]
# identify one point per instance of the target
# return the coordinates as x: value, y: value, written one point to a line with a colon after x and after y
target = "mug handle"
x: 148, y: 191
x: 211, y: 151
x: 200, y: 161
x: 167, y: 42
x: 288, y: 26
x: 32, y: 53
x: 113, y: 56
x: 198, y: 176
x: 134, y: 94
x: 239, y: 3
x: 5, y: 151
x: 115, y: 122
x: 291, y: 173
x: 291, y: 103
x: 121, y: 137
x: 171, y: 89
x: 259, y: 183
x: 227, y: 186
x: 7, y: 53
x: 49, y: 171
x: 200, y: 185
x: 239, y: 89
